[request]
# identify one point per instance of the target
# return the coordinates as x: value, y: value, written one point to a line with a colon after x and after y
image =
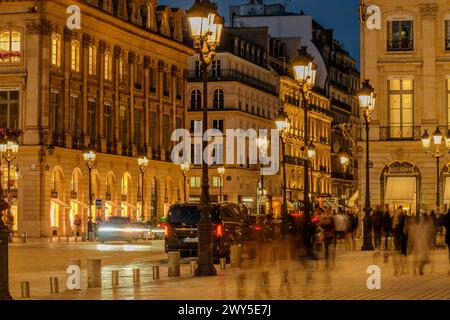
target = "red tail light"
x: 166, y: 231
x: 219, y: 230
x: 257, y: 227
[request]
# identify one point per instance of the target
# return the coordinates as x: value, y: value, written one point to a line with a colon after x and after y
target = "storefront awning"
x: 353, y: 198
x: 400, y: 190
x: 447, y: 190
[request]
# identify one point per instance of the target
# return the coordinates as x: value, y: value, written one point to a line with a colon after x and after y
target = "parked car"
x: 257, y: 228
x: 121, y: 229
x: 231, y: 225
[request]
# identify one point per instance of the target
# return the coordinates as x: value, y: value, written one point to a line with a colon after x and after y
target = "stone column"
x: 87, y: 41
x: 132, y: 60
x: 161, y: 69
x: 146, y: 110
x: 116, y: 102
x: 66, y: 54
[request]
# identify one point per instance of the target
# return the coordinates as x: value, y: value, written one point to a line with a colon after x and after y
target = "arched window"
x: 10, y: 46
x: 56, y: 49
x: 218, y: 102
x: 75, y: 55
x: 92, y: 60
x: 196, y: 100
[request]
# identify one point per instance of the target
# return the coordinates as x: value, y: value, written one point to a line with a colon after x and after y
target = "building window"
x: 108, y: 66
x: 400, y: 36
x: 123, y: 125
x: 153, y: 79
x: 447, y: 34
x: 108, y: 117
x: 179, y: 87
x: 138, y: 126
x: 74, y: 118
x: 218, y: 101
x: 56, y: 50
x: 75, y: 55
x: 122, y: 71
x: 9, y: 109
x: 196, y: 100
x: 152, y: 128
x: 92, y: 68
x: 138, y: 77
x: 216, y: 70
x: 218, y: 124
x: 166, y: 131
x: 92, y: 115
x: 166, y: 84
x: 217, y: 182
x: 195, y: 182
x: 401, y: 95
x: 10, y: 46
x: 55, y: 113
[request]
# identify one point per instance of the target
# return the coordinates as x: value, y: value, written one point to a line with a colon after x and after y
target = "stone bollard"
x: 155, y: 272
x: 136, y: 275
x: 25, y: 289
x: 236, y: 256
x: 174, y: 263
x: 73, y: 275
x: 54, y: 285
x: 193, y: 265
x: 94, y: 271
x: 115, y: 278
x: 223, y: 263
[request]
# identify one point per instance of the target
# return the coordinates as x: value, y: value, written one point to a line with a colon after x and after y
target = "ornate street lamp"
x: 263, y: 146
x: 185, y: 166
x: 305, y: 74
x: 366, y: 97
x: 344, y: 159
x: 440, y: 151
x: 283, y: 125
x: 205, y: 26
x: 221, y: 172
x: 9, y: 150
x: 143, y: 163
x: 89, y: 157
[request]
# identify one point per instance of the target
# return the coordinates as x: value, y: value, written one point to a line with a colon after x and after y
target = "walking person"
x: 377, y: 223
x: 446, y: 224
x: 329, y: 235
x: 420, y: 238
x: 77, y: 225
x: 90, y: 229
x: 397, y: 229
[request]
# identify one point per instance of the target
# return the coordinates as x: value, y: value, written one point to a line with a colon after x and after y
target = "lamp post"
x: 221, y: 172
x: 205, y: 27
x: 143, y: 163
x: 282, y: 123
x: 263, y: 145
x: 4, y: 242
x: 367, y: 103
x: 437, y: 154
x: 185, y: 166
x: 344, y: 159
x: 89, y: 157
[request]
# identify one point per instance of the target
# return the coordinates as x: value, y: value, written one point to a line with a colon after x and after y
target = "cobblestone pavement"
x: 274, y: 274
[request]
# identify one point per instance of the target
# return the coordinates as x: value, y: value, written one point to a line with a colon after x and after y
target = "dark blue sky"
x: 340, y: 15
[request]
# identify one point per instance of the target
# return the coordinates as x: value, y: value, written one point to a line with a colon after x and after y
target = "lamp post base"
x: 4, y: 275
x: 205, y: 262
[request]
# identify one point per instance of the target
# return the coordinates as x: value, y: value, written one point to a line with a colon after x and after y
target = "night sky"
x: 340, y: 15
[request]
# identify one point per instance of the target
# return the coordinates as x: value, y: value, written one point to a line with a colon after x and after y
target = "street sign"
x: 98, y: 203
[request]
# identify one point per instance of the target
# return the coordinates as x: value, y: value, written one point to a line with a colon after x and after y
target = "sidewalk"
x: 274, y: 276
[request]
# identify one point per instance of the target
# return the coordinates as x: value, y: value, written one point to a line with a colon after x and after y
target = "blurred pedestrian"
x: 329, y: 234
x: 377, y: 222
x: 435, y: 227
x: 397, y: 229
x: 77, y: 225
x: 420, y: 237
x: 446, y: 224
x: 353, y: 226
x: 90, y: 229
x: 387, y: 227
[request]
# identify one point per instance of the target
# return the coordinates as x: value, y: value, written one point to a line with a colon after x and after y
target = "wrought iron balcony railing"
x: 400, y: 45
x: 400, y: 133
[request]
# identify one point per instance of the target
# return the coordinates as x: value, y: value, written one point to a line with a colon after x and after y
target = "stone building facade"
x: 408, y: 63
x: 117, y: 85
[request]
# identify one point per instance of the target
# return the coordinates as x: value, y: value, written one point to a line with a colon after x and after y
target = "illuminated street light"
x: 143, y: 163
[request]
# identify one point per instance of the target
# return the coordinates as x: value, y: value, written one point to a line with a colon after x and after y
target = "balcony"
x: 342, y: 176
x: 400, y: 45
x: 400, y: 133
x: 233, y: 75
x: 294, y: 160
x: 292, y: 100
x: 341, y: 105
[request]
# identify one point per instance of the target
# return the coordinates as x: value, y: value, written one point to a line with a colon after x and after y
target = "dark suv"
x: 230, y: 222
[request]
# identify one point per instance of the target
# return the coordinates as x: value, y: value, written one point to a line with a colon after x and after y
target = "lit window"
x: 401, y: 107
x: 218, y: 102
x: 195, y: 182
x: 75, y: 56
x: 56, y: 50
x: 217, y: 182
x: 10, y: 46
x: 9, y: 109
x: 108, y: 66
x: 92, y: 60
x: 400, y: 35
